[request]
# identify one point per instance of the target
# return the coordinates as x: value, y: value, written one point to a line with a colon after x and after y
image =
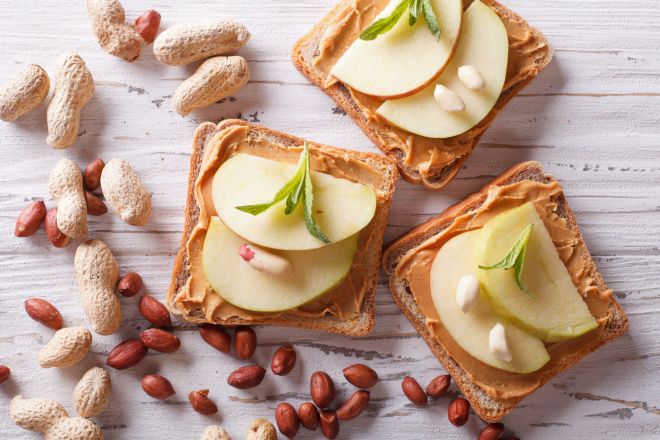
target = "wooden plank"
x: 590, y: 118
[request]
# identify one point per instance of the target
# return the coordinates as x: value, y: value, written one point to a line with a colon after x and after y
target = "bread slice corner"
x: 306, y: 49
x: 490, y: 409
x: 361, y: 324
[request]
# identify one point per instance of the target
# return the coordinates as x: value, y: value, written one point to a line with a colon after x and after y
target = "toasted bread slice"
x: 486, y: 402
x: 360, y: 324
x: 529, y: 53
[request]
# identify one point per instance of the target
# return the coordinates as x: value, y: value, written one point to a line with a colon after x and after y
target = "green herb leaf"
x: 308, y: 203
x: 415, y: 9
x: 431, y: 20
x: 385, y: 24
x: 299, y: 187
x: 516, y: 258
x: 294, y: 196
x: 290, y: 191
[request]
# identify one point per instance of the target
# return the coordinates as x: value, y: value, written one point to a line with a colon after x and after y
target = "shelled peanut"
x: 157, y: 386
x: 30, y: 219
x: 147, y: 25
x: 57, y: 238
x: 44, y: 312
x: 127, y: 354
x: 200, y: 402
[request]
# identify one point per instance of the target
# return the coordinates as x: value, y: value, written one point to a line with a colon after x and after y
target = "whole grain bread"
x: 307, y: 48
x: 484, y: 404
x: 357, y: 326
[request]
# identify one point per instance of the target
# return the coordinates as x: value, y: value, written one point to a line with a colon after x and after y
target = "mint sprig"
x: 297, y: 189
x: 416, y: 7
x: 516, y: 258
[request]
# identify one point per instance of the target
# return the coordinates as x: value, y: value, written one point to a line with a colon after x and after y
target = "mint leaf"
x: 431, y: 20
x: 385, y: 24
x: 308, y: 203
x: 290, y: 191
x: 415, y: 9
x: 294, y: 197
x: 516, y: 258
x: 298, y: 188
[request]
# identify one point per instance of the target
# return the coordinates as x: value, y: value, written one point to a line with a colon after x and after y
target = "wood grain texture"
x: 591, y: 118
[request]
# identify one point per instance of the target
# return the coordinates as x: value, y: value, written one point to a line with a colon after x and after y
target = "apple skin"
x: 484, y: 45
x: 557, y: 312
x: 470, y: 330
x: 341, y: 208
x: 315, y: 272
x: 404, y: 60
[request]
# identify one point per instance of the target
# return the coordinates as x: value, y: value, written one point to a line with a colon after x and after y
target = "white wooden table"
x: 592, y: 118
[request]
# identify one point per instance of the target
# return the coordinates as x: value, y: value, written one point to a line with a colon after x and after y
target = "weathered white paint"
x: 591, y: 118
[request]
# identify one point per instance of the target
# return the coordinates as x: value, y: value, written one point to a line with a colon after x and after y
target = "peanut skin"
x: 147, y: 25
x: 23, y: 93
x: 125, y: 193
x: 97, y: 274
x: 65, y: 185
x: 186, y: 43
x: 30, y: 219
x: 215, y: 79
x: 113, y: 34
x: 74, y: 87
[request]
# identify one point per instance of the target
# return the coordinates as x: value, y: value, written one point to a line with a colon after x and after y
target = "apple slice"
x: 556, y: 311
x: 315, y: 272
x: 405, y: 59
x: 470, y: 330
x: 483, y: 45
x: 341, y: 208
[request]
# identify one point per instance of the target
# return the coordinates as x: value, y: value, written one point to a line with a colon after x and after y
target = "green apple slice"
x: 315, y: 272
x: 554, y: 309
x: 341, y: 208
x: 470, y: 330
x: 484, y: 45
x: 404, y: 59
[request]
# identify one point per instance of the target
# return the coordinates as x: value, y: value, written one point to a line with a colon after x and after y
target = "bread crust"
x: 302, y: 58
x: 488, y: 408
x: 360, y: 325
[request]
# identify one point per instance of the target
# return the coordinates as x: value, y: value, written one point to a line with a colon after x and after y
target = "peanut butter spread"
x: 527, y: 49
x: 415, y: 266
x: 343, y: 302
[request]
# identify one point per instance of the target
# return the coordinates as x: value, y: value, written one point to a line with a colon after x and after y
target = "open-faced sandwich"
x: 424, y: 79
x: 280, y: 231
x: 503, y: 289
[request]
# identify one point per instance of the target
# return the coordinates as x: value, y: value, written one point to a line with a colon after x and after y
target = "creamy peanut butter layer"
x: 427, y: 155
x: 415, y: 266
x: 343, y: 302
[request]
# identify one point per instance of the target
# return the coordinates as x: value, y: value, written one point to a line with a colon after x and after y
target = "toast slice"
x: 529, y: 53
x: 489, y: 402
x: 370, y: 249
